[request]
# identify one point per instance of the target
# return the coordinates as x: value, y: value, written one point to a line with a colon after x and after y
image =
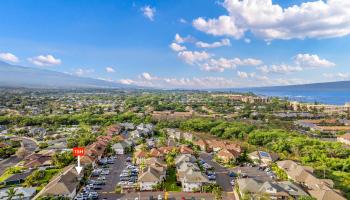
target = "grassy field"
x: 170, y: 183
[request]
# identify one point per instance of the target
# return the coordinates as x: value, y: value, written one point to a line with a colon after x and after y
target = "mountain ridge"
x: 29, y: 77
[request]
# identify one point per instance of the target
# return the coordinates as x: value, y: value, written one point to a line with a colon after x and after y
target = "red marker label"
x: 78, y: 151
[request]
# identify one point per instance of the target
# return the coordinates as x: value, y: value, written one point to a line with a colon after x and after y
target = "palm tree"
x: 20, y: 196
x: 10, y: 194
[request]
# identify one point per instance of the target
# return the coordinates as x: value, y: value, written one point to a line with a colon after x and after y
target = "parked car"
x: 232, y: 174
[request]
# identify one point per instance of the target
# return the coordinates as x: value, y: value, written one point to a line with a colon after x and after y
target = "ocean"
x: 339, y: 97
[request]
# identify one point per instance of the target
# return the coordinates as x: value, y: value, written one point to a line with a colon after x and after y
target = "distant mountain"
x: 27, y: 77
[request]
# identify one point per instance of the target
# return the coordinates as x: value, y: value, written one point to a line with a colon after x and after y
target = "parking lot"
x: 103, y: 178
x: 222, y: 177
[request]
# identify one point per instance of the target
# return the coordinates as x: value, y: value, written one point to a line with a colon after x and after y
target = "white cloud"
x: 314, y: 19
x: 180, y: 40
x: 176, y: 47
x: 110, y: 69
x: 219, y: 65
x: 193, y: 57
x: 43, y: 60
x: 340, y: 75
x: 148, y: 12
x: 248, y: 62
x: 146, y: 76
x: 223, y: 42
x: 279, y: 69
x: 242, y: 74
x: 301, y: 62
x: 83, y: 72
x: 312, y: 61
x: 8, y: 57
x: 127, y: 81
x: 247, y: 40
x: 182, y: 20
x: 221, y: 26
x: 246, y: 80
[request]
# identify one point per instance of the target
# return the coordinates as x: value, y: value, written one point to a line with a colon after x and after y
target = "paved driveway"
x: 222, y: 177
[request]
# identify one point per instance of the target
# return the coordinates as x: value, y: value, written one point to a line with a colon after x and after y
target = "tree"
x: 62, y: 159
x: 11, y: 194
x: 21, y: 152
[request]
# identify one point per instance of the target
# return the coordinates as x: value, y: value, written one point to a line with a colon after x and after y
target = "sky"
x: 181, y: 44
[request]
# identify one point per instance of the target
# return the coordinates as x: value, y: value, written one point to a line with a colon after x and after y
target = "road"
x: 30, y: 147
x: 171, y: 196
x: 222, y: 177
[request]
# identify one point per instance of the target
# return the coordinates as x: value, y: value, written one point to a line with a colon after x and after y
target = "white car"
x: 160, y: 197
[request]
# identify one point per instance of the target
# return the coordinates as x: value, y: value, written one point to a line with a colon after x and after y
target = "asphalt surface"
x: 222, y: 177
x: 171, y: 196
x: 112, y: 179
x: 30, y: 147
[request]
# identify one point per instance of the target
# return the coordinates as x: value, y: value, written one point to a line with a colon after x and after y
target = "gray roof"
x: 254, y: 186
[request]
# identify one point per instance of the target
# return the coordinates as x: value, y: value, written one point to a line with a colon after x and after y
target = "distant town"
x: 170, y: 145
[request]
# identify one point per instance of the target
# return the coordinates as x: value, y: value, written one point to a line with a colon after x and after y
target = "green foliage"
x: 262, y: 138
x: 43, y: 145
x: 62, y: 159
x: 215, y: 189
x: 170, y: 181
x: 6, y: 152
x: 281, y: 174
x: 40, y: 177
x: 80, y: 139
x: 199, y: 124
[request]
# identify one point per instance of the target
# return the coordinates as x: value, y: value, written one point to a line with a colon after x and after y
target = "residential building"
x: 202, y: 145
x: 151, y: 177
x: 140, y: 156
x: 227, y: 155
x: 63, y: 185
x: 154, y: 161
x: 156, y: 153
x: 185, y: 150
x: 19, y: 178
x: 120, y: 147
x: 262, y: 157
x: 303, y: 175
x: 344, y: 138
x: 193, y: 181
x: 184, y: 158
x: 274, y: 190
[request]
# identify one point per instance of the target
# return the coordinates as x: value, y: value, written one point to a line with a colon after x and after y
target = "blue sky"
x: 227, y: 43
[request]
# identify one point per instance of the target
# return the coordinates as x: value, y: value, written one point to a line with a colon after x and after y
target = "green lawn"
x: 170, y: 182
